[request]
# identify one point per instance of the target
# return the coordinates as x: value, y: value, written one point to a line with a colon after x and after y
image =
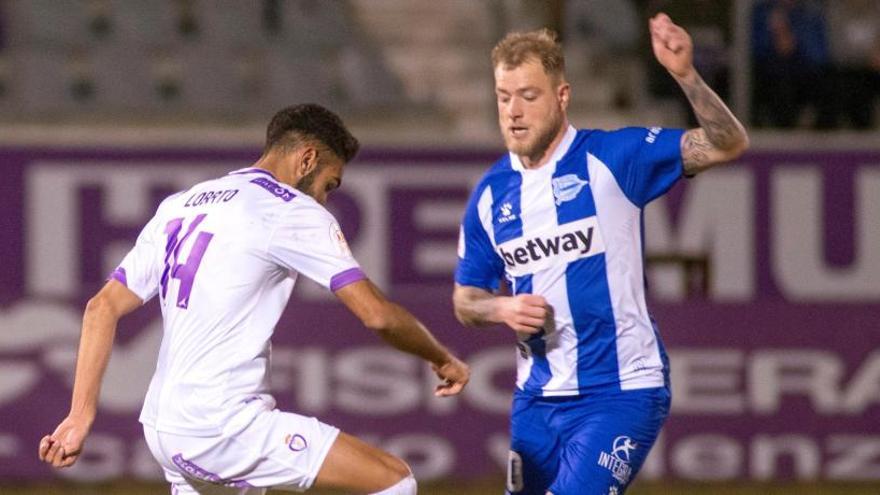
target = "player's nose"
x: 515, y: 109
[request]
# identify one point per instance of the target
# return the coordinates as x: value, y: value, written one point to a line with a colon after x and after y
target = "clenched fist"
x: 525, y: 313
x: 672, y: 46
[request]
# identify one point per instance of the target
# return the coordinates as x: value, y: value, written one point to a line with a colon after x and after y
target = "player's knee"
x: 398, y: 467
x: 397, y: 472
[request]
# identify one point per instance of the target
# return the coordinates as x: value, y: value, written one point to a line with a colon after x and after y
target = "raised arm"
x: 398, y: 327
x: 63, y: 447
x: 720, y: 137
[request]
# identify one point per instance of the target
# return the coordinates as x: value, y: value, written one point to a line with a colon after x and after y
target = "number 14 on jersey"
x: 183, y: 272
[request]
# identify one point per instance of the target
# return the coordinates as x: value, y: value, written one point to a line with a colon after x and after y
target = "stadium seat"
x: 312, y: 25
x: 124, y: 83
x: 218, y: 82
x: 293, y: 76
x: 232, y: 24
x: 144, y: 24
x: 55, y: 82
x: 48, y: 23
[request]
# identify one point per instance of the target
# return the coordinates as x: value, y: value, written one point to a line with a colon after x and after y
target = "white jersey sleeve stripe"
x: 484, y: 211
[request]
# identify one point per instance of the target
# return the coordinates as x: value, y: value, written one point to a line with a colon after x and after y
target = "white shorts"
x: 278, y: 450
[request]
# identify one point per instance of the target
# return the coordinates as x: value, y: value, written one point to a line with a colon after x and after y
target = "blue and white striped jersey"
x: 571, y: 231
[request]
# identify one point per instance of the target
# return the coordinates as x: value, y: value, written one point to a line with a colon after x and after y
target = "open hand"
x: 672, y: 46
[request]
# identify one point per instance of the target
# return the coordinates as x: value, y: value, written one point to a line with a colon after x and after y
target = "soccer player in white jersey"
x: 559, y: 217
x: 223, y: 257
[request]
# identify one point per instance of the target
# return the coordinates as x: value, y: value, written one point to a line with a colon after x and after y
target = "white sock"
x: 406, y: 486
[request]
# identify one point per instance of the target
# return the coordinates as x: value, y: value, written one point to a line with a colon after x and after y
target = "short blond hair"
x: 519, y: 47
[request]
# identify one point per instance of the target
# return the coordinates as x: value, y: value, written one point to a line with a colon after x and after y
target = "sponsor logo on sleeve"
x: 338, y: 238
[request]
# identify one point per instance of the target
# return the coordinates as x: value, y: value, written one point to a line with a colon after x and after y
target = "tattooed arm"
x: 476, y: 307
x: 720, y: 137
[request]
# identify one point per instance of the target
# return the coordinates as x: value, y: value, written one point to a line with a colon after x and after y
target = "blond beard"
x: 535, y: 150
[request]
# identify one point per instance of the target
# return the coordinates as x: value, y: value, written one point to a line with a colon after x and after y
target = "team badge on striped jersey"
x: 567, y: 187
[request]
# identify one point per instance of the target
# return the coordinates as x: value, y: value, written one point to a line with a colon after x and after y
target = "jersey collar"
x: 252, y: 170
x: 558, y: 153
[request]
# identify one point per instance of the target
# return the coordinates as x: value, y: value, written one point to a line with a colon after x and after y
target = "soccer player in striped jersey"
x: 223, y: 257
x: 560, y: 217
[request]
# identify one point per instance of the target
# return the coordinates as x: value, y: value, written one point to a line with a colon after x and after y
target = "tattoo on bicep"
x: 695, y: 151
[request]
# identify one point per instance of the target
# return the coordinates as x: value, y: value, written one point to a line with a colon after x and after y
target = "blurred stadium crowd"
x: 783, y: 63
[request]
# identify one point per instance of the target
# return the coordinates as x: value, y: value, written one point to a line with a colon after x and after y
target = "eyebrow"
x: 519, y: 91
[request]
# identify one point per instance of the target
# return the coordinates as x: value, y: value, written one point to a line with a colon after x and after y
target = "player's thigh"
x: 275, y: 450
x: 181, y: 484
x: 607, y: 451
x: 533, y: 460
x: 353, y: 464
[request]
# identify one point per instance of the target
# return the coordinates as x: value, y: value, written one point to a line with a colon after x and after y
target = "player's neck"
x: 274, y: 166
x: 535, y: 162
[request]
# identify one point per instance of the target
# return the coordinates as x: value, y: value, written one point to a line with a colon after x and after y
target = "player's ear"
x: 308, y: 161
x: 563, y: 93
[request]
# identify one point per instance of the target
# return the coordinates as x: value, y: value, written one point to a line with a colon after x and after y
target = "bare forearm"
x: 527, y: 313
x: 96, y: 343
x: 721, y: 137
x: 394, y: 324
x: 404, y: 332
x: 476, y: 308
x: 722, y: 128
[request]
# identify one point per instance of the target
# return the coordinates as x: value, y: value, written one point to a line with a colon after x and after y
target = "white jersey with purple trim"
x: 571, y: 231
x: 223, y: 257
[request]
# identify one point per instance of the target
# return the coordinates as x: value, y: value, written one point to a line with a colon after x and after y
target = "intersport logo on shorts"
x: 562, y: 244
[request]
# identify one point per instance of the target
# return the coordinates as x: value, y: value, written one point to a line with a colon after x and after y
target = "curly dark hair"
x: 295, y: 125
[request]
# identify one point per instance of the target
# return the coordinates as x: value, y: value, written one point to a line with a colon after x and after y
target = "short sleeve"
x: 141, y: 269
x: 478, y: 264
x: 645, y: 162
x: 308, y: 240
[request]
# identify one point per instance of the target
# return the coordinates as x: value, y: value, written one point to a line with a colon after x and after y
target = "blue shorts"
x: 592, y: 444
